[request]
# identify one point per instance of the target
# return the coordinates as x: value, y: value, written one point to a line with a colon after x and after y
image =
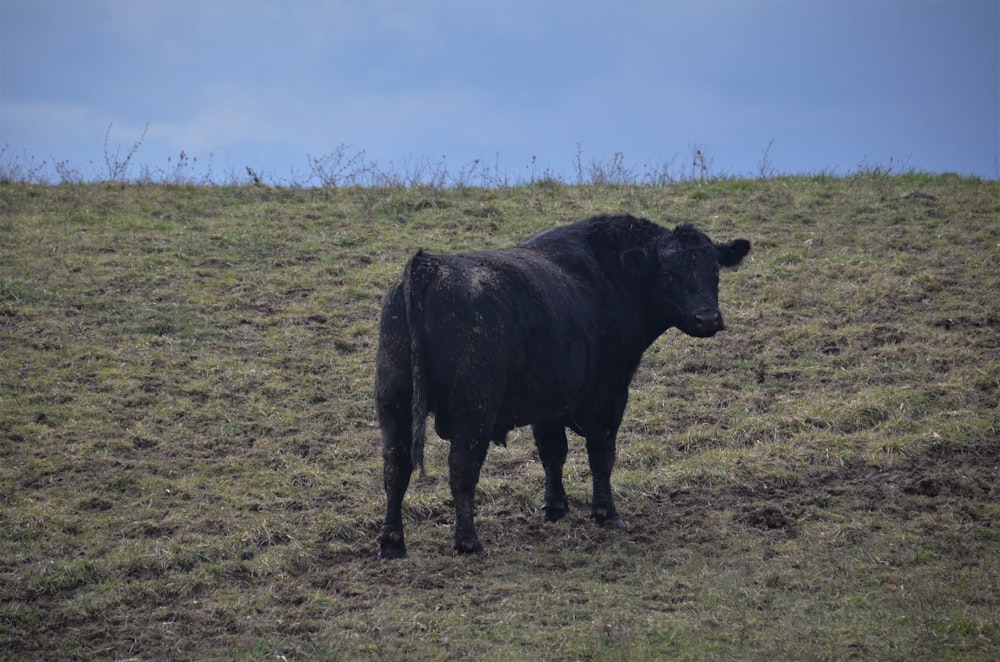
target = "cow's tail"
x: 419, y: 274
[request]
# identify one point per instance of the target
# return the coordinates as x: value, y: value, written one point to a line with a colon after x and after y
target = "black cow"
x: 548, y: 334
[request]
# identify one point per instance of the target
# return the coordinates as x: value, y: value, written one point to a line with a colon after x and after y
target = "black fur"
x: 547, y: 333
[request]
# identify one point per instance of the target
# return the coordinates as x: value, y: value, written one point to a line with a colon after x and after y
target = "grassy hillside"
x: 189, y: 465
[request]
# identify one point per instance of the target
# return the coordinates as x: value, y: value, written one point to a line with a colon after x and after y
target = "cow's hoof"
x: 391, y: 545
x: 610, y: 519
x: 469, y: 547
x: 616, y: 522
x: 555, y: 511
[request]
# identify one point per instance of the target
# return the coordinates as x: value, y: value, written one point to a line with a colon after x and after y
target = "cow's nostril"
x: 707, y: 316
x: 708, y: 320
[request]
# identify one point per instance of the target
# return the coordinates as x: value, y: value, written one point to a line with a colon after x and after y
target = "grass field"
x: 190, y: 468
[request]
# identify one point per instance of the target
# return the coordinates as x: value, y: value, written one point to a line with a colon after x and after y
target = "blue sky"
x: 829, y: 84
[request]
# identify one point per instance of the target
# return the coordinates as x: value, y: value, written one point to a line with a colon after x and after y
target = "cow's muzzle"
x: 707, y: 322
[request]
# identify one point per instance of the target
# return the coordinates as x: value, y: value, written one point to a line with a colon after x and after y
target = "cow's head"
x: 689, y: 264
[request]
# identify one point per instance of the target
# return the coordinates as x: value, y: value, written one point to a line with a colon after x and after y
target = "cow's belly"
x: 548, y: 387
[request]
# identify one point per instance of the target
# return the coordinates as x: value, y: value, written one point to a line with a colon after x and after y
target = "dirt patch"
x: 939, y: 478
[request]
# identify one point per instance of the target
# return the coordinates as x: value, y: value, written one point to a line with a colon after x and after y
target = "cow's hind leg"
x: 397, y: 468
x: 465, y: 461
x: 550, y: 439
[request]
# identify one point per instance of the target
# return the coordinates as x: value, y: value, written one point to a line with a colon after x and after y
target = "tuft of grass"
x: 190, y: 467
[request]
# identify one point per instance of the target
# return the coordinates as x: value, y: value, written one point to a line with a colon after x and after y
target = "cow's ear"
x: 635, y: 261
x: 732, y: 253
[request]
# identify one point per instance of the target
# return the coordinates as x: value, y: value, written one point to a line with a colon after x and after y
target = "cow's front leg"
x: 601, y: 454
x: 550, y: 440
x: 464, y: 464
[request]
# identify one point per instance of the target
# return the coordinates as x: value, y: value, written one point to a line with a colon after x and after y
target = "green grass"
x: 190, y: 468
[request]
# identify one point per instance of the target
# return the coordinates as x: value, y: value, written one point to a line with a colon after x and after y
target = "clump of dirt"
x: 768, y: 517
